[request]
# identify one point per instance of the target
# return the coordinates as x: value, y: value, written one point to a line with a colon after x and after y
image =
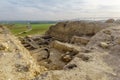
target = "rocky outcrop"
x: 64, y: 47
x: 16, y: 63
x: 79, y: 40
x: 77, y: 50
x: 97, y: 60
x: 105, y: 39
x: 64, y: 31
x: 110, y: 21
x: 86, y: 67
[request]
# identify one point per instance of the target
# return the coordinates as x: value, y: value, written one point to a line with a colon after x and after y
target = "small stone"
x: 87, y: 50
x: 70, y: 66
x: 67, y: 53
x: 103, y: 45
x: 21, y: 68
x: 2, y: 47
x: 66, y: 58
x: 84, y: 57
x: 118, y: 41
x: 18, y: 56
x: 107, y: 32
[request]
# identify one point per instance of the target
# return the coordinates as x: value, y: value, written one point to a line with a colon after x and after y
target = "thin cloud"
x: 57, y: 9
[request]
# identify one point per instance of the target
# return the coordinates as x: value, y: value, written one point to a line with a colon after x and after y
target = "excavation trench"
x: 54, y: 55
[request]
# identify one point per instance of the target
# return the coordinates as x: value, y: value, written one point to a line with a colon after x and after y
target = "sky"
x: 58, y: 9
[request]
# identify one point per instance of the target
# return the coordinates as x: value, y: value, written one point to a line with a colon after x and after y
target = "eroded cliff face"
x: 64, y: 31
x: 16, y: 63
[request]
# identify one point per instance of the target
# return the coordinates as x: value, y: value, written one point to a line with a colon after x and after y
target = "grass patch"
x: 36, y: 28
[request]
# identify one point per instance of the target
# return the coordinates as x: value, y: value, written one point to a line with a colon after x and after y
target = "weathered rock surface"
x: 64, y: 31
x: 110, y: 21
x: 64, y: 47
x: 79, y: 40
x: 16, y: 63
x: 74, y: 50
x: 99, y: 58
x: 112, y: 57
x: 108, y: 37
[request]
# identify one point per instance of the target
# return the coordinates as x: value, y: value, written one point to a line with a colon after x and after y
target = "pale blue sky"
x: 57, y: 9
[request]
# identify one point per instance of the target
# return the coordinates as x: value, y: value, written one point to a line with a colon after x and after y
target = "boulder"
x: 64, y: 47
x: 79, y: 40
x: 110, y: 21
x: 103, y: 45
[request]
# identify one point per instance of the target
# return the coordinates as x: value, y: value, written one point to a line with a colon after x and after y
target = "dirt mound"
x: 16, y: 63
x: 64, y: 31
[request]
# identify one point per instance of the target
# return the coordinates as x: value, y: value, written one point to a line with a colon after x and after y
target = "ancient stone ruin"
x: 72, y: 50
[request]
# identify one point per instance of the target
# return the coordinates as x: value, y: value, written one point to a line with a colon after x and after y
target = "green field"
x: 36, y: 28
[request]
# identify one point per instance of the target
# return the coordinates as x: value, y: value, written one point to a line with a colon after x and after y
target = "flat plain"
x: 37, y: 28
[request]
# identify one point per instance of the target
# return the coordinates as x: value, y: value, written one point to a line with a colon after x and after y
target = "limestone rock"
x: 64, y: 47
x: 2, y: 47
x: 99, y: 59
x: 110, y: 21
x: 66, y: 58
x: 79, y: 40
x: 64, y: 31
x: 103, y: 45
x: 105, y: 40
x: 16, y: 63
